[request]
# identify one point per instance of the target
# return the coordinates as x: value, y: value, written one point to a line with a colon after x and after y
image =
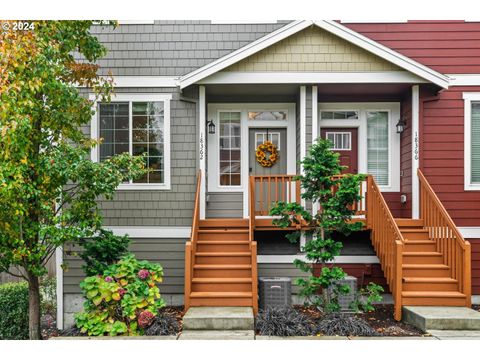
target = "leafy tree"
x: 321, y: 166
x: 48, y: 185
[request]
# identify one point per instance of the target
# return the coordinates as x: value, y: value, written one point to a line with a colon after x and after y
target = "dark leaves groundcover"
x: 286, y: 321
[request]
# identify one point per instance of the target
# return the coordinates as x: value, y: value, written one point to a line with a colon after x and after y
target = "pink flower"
x: 108, y: 279
x: 122, y: 291
x: 143, y: 274
x: 145, y: 319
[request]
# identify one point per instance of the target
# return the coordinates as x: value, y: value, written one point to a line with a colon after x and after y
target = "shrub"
x: 283, y: 321
x: 338, y: 324
x: 365, y: 298
x: 116, y: 299
x: 48, y: 295
x: 164, y: 323
x: 14, y: 311
x: 102, y: 251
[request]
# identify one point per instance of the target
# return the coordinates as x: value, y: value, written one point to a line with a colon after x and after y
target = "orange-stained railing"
x: 191, y: 246
x: 359, y: 206
x: 449, y: 242
x: 266, y: 190
x: 387, y: 241
x: 253, y: 244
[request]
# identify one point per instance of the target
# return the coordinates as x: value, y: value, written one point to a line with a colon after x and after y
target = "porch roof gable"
x: 332, y: 27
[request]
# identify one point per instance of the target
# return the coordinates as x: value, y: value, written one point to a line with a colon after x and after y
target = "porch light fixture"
x: 401, y: 124
x: 211, y: 127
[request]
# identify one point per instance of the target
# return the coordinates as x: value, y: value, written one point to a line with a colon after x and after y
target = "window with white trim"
x: 339, y: 115
x: 230, y: 153
x: 273, y: 137
x: 472, y: 141
x: 137, y: 126
x: 377, y: 146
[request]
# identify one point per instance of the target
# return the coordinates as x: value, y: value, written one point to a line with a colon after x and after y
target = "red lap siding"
x: 450, y: 47
x: 442, y: 155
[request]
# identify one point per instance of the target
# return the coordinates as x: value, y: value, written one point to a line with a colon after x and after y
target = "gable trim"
x: 327, y: 25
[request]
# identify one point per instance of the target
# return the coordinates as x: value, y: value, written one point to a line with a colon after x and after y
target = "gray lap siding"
x: 167, y: 252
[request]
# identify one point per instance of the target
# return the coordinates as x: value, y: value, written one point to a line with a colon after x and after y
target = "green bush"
x: 48, y: 295
x: 119, y: 301
x: 101, y: 251
x: 14, y: 311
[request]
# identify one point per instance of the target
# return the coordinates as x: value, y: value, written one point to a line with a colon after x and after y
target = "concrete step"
x: 219, y: 318
x: 217, y: 335
x: 441, y: 317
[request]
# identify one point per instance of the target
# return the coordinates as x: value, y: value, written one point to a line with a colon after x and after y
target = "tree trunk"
x: 34, y: 307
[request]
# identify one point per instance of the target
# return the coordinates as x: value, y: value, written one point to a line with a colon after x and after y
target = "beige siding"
x: 313, y: 49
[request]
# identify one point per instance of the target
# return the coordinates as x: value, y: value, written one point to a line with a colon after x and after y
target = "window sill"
x: 144, y: 187
x: 472, y: 187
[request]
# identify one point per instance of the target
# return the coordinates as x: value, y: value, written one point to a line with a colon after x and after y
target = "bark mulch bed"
x: 381, y: 320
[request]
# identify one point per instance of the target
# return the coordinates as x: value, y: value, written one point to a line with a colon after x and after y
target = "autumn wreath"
x: 267, y: 154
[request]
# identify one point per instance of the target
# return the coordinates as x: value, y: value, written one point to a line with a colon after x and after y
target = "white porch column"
x: 415, y: 151
x: 315, y: 205
x: 201, y: 147
x: 303, y: 143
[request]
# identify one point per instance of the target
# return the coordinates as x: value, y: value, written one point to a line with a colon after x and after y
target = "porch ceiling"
x: 252, y: 93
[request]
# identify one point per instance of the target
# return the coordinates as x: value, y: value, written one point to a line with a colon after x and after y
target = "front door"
x: 268, y: 191
x: 344, y: 142
x: 279, y: 138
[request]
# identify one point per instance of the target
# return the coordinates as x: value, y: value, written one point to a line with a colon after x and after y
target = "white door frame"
x: 244, y: 108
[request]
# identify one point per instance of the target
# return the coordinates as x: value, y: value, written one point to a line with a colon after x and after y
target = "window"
x: 377, y: 146
x: 339, y: 115
x: 475, y: 142
x: 139, y: 125
x: 472, y: 141
x: 340, y: 140
x: 230, y: 141
x: 267, y: 115
x: 274, y: 138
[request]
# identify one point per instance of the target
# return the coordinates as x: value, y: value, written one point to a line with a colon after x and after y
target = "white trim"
x: 143, y: 232
x: 315, y: 205
x: 468, y: 97
x: 244, y: 108
x: 464, y: 79
x: 303, y: 126
x: 202, y: 149
x: 239, y: 77
x: 144, y: 81
x: 393, y: 109
x: 59, y: 279
x: 289, y: 259
x: 470, y: 232
x: 131, y: 97
x: 416, y: 141
x: 330, y: 26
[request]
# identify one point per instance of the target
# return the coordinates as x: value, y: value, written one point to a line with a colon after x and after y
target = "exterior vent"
x: 275, y: 292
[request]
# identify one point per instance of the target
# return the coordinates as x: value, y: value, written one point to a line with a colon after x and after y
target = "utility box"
x: 274, y: 292
x: 345, y: 300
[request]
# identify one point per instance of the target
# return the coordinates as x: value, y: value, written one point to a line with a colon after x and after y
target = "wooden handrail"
x: 387, y: 241
x: 449, y: 241
x: 272, y: 189
x: 191, y: 246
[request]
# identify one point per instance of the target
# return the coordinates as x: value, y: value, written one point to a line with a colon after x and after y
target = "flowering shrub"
x: 118, y: 302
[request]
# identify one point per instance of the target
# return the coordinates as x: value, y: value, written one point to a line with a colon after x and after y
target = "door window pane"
x: 230, y: 156
x: 340, y: 140
x: 267, y: 115
x: 475, y: 142
x: 377, y: 146
x: 339, y: 115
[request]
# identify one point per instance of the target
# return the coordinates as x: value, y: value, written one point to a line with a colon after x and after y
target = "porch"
x: 426, y: 261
